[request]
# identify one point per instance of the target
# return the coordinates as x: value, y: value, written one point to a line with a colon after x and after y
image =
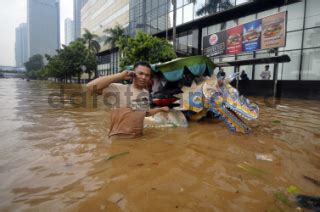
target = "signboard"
x: 273, y: 31
x: 216, y: 42
x: 265, y: 33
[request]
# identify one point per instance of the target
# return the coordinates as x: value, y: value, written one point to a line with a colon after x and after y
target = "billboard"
x: 265, y: 33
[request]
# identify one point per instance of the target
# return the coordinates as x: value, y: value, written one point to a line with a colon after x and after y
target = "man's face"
x: 142, y: 76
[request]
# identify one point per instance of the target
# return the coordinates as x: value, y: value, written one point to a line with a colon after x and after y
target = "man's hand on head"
x: 127, y: 75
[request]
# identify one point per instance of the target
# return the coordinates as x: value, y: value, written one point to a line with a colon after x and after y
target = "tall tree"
x: 114, y: 35
x: 146, y: 47
x: 90, y: 40
x: 35, y: 63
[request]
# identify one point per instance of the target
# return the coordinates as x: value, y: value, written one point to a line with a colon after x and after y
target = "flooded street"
x: 54, y: 158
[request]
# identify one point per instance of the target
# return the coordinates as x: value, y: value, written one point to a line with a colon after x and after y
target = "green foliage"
x: 144, y: 47
x: 69, y: 60
x: 213, y: 6
x: 114, y: 35
x: 92, y: 44
x: 35, y: 63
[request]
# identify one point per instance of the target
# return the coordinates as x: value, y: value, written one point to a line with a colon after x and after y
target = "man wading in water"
x: 131, y: 103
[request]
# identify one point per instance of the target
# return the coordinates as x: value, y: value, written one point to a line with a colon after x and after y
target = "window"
x: 247, y: 68
x: 261, y: 68
x: 241, y: 1
x: 230, y: 24
x: 179, y: 16
x: 294, y: 40
x: 247, y: 19
x: 267, y: 13
x: 214, y: 28
x: 154, y: 4
x: 170, y: 20
x: 311, y: 38
x: 311, y: 64
x: 290, y: 71
x: 295, y: 15
x: 199, y: 4
x: 179, y: 3
x: 187, y: 13
x: 229, y: 70
x: 312, y: 13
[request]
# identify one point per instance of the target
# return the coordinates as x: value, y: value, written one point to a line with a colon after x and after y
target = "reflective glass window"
x: 179, y: 16
x: 293, y: 41
x: 290, y: 71
x: 187, y: 13
x: 199, y: 4
x: 295, y: 15
x: 312, y: 13
x: 311, y: 38
x: 311, y: 64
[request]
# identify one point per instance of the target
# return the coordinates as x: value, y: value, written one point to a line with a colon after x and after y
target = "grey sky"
x: 14, y: 12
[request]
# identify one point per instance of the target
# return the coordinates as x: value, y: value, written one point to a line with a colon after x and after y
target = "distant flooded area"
x: 55, y: 158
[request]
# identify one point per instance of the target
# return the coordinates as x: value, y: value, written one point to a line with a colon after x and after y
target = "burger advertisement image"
x: 214, y: 44
x: 273, y: 31
x: 265, y: 33
x: 234, y: 40
x: 252, y: 36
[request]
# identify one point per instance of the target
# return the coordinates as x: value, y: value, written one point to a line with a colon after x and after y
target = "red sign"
x: 234, y: 40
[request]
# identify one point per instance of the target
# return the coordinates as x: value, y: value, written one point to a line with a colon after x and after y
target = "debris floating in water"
x: 310, y: 202
x: 265, y: 157
x: 293, y: 189
x: 251, y: 169
x: 282, y: 197
x: 276, y: 121
x: 116, y: 155
x: 314, y: 181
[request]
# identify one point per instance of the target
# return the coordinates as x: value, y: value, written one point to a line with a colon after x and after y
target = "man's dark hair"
x: 267, y: 66
x: 142, y: 63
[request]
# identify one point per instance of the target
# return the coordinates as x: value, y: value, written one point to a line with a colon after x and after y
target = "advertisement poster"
x: 273, y: 31
x: 234, y: 40
x: 252, y: 36
x: 214, y: 44
x: 265, y: 33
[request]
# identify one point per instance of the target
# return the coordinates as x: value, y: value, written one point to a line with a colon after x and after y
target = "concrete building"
x: 21, y: 45
x: 98, y: 15
x: 77, y: 6
x: 68, y: 30
x: 43, y: 18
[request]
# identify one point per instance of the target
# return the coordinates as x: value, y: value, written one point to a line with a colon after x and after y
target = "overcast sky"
x: 14, y: 12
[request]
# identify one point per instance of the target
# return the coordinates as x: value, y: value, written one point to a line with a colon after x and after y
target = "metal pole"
x: 275, y: 76
x: 167, y: 16
x: 237, y: 70
x: 174, y: 2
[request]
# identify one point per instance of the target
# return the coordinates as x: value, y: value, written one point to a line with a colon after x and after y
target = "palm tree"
x: 93, y: 47
x: 213, y: 6
x: 89, y: 39
x: 114, y: 35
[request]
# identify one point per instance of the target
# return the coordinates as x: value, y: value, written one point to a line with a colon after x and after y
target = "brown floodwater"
x: 54, y: 158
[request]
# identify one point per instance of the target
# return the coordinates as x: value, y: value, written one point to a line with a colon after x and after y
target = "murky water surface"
x: 55, y: 159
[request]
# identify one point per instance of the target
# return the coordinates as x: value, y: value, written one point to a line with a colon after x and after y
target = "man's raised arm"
x: 101, y: 83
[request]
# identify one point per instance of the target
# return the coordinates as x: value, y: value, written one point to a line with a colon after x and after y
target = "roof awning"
x: 266, y: 60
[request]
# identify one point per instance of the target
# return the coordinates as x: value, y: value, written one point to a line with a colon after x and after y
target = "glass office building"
x: 302, y: 36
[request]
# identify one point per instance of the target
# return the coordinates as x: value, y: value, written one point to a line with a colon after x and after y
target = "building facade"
x: 43, y: 18
x: 99, y: 15
x: 302, y: 33
x: 77, y: 6
x: 21, y: 45
x: 68, y: 30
